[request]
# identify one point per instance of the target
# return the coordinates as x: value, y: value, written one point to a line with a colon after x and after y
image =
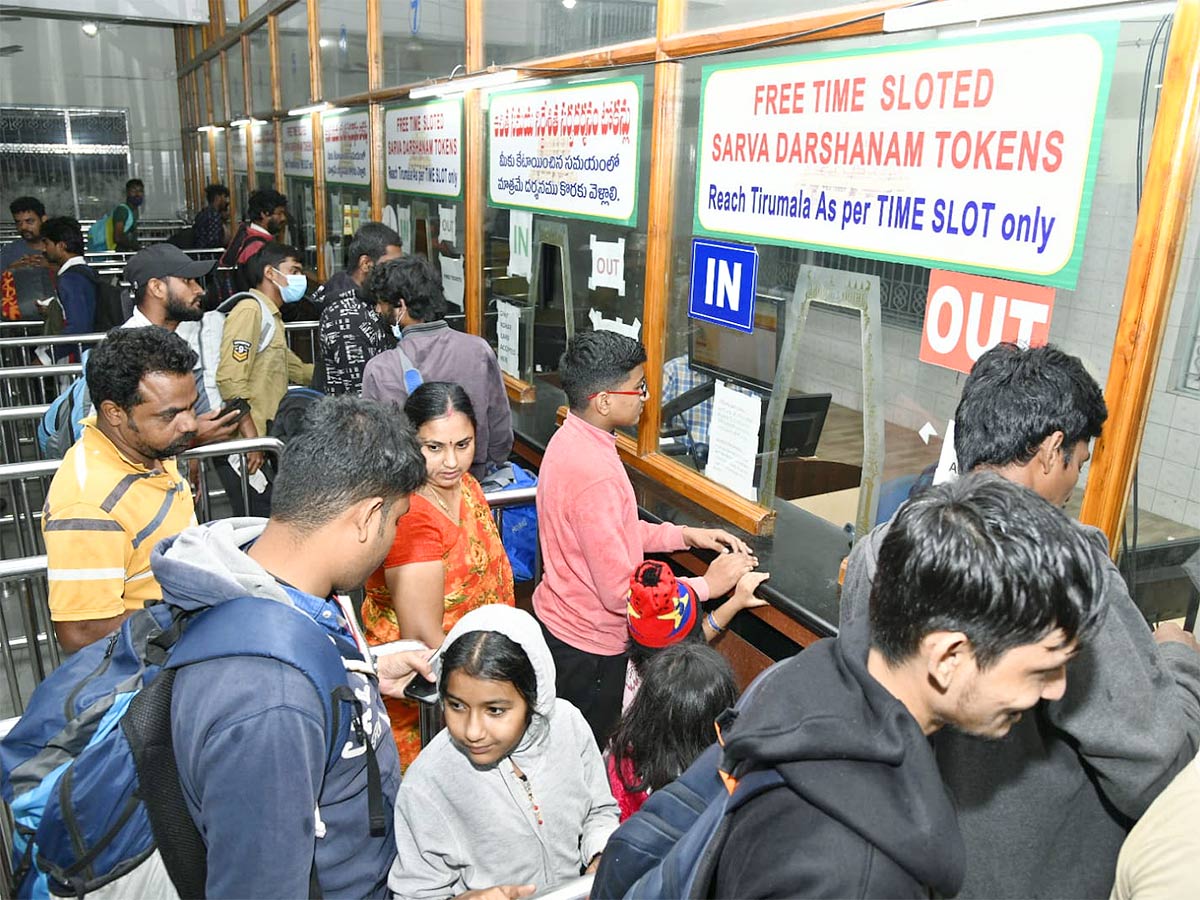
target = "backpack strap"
x: 267, y: 328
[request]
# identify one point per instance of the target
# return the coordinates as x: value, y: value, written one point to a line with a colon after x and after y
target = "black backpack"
x: 230, y: 278
x: 113, y: 305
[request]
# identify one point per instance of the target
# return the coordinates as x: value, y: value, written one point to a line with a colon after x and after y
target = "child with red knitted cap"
x: 661, y: 610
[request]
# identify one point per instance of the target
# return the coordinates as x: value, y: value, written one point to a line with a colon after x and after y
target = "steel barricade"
x: 22, y: 351
x: 18, y: 433
x: 237, y: 447
x: 303, y: 333
x: 34, y: 385
x: 23, y: 596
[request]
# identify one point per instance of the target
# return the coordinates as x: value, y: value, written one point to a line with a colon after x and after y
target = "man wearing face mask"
x: 119, y: 491
x: 256, y: 364
x: 354, y: 327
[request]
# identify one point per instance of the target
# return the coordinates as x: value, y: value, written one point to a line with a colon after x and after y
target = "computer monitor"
x: 803, y: 421
x: 745, y: 359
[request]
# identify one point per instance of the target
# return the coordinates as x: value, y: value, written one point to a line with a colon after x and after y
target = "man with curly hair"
x: 119, y: 491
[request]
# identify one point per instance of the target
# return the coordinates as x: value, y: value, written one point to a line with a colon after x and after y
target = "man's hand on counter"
x: 716, y: 539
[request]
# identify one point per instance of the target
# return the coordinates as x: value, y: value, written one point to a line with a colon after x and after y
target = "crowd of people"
x: 993, y: 719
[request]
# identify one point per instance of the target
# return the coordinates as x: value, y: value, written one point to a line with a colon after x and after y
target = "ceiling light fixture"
x: 322, y: 107
x: 490, y: 79
x: 91, y: 29
x: 568, y: 4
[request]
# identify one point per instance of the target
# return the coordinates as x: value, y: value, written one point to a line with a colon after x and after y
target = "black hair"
x: 270, y: 255
x: 134, y: 182
x: 597, y: 361
x: 640, y: 654
x: 116, y: 365
x: 1016, y: 397
x: 213, y: 191
x: 412, y: 279
x: 435, y: 399
x: 263, y: 202
x: 494, y: 657
x: 27, y: 204
x: 372, y: 241
x: 66, y: 230
x: 670, y: 721
x: 348, y: 449
x: 987, y: 557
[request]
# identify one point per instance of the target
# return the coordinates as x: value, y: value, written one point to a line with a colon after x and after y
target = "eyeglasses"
x: 643, y: 391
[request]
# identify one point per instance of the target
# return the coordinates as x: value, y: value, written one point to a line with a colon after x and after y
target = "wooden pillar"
x: 375, y: 108
x: 473, y: 189
x: 1150, y: 282
x: 660, y: 216
x: 320, y: 205
x: 248, y: 101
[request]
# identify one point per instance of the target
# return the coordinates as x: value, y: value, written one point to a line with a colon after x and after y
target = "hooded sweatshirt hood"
x: 853, y: 751
x: 523, y: 630
x: 205, y: 566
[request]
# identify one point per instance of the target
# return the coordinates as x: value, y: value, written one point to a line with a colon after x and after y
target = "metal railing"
x: 22, y: 351
x: 18, y: 433
x: 34, y: 385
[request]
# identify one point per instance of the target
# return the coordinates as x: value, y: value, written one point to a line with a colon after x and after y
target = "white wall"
x: 124, y: 67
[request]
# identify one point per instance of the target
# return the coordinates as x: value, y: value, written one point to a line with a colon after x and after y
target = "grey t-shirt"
x: 15, y: 250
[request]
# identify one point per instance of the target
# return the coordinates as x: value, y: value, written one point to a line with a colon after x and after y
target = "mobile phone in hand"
x: 240, y: 406
x: 422, y: 690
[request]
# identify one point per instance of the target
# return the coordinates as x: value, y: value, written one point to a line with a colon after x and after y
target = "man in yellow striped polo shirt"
x: 118, y: 491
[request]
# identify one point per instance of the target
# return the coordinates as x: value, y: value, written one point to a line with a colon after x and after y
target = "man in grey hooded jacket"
x: 249, y: 732
x: 1043, y: 812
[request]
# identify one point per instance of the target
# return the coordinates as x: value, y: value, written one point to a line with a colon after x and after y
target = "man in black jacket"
x: 984, y: 592
x: 1044, y: 811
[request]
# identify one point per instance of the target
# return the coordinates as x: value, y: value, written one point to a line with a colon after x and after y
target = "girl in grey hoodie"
x: 513, y: 790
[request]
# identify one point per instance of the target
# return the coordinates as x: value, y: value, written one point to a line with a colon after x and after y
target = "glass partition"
x: 240, y: 178
x: 347, y: 182
x: 298, y: 169
x: 293, y: 56
x: 548, y: 272
x: 222, y: 164
x: 237, y: 83
x: 343, y: 45
x: 260, y: 71
x: 233, y: 14
x: 264, y: 154
x: 549, y: 28
x: 423, y: 41
x: 217, y: 90
x: 700, y: 14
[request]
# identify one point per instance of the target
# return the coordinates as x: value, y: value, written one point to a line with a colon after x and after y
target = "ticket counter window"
x: 293, y: 56
x: 423, y: 39
x: 556, y: 267
x: 302, y: 232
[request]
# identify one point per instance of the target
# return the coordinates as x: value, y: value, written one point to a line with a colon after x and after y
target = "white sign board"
x: 520, y: 243
x: 348, y: 148
x: 447, y: 224
x: 570, y: 150
x: 452, y: 279
x: 508, y: 337
x: 423, y: 148
x: 264, y: 147
x: 733, y: 439
x: 237, y: 149
x: 608, y: 265
x: 298, y: 148
x: 975, y: 155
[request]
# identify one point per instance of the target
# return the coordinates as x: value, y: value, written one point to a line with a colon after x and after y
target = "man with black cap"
x: 163, y: 281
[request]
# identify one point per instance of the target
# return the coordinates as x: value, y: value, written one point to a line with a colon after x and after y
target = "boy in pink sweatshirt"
x: 591, y: 536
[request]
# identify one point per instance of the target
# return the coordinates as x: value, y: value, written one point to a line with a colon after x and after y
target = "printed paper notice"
x: 298, y: 148
x: 520, y: 243
x: 452, y: 279
x: 733, y: 439
x: 347, y: 148
x: 947, y: 467
x: 608, y: 265
x: 508, y: 337
x: 404, y: 227
x: 447, y: 224
x: 423, y: 148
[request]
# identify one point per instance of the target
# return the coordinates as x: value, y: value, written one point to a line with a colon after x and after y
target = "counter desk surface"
x: 803, y: 556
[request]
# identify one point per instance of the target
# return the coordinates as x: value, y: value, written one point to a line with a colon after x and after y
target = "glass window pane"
x: 541, y: 28
x: 237, y: 84
x: 101, y: 127
x: 428, y: 41
x: 560, y: 253
x: 222, y: 165
x: 32, y: 126
x: 293, y: 56
x: 343, y: 44
x: 264, y: 153
x: 100, y: 180
x: 218, y: 92
x: 233, y: 14
x: 260, y: 71
x: 717, y: 13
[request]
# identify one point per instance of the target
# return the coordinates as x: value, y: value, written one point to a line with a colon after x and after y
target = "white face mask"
x: 295, y: 288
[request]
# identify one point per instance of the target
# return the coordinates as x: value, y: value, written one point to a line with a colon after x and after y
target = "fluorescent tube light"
x: 965, y: 12
x: 240, y: 123
x: 325, y: 106
x: 210, y: 128
x: 483, y: 80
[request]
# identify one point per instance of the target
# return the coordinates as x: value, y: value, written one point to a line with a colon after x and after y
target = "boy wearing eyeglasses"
x: 591, y: 537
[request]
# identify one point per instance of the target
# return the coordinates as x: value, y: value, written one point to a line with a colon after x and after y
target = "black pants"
x: 594, y: 684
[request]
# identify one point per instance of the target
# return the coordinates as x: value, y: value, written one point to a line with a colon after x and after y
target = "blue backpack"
x: 62, y: 424
x: 90, y: 771
x: 670, y: 847
x: 518, y: 525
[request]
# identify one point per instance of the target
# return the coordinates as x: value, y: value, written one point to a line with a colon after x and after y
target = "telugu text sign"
x: 423, y: 144
x: 974, y: 155
x: 347, y: 140
x: 568, y: 151
x: 298, y: 147
x: 967, y: 315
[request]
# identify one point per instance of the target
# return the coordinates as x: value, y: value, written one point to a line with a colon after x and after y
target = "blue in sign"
x: 724, y: 283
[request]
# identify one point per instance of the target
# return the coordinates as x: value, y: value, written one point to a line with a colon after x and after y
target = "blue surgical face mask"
x: 396, y: 331
x: 297, y: 285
